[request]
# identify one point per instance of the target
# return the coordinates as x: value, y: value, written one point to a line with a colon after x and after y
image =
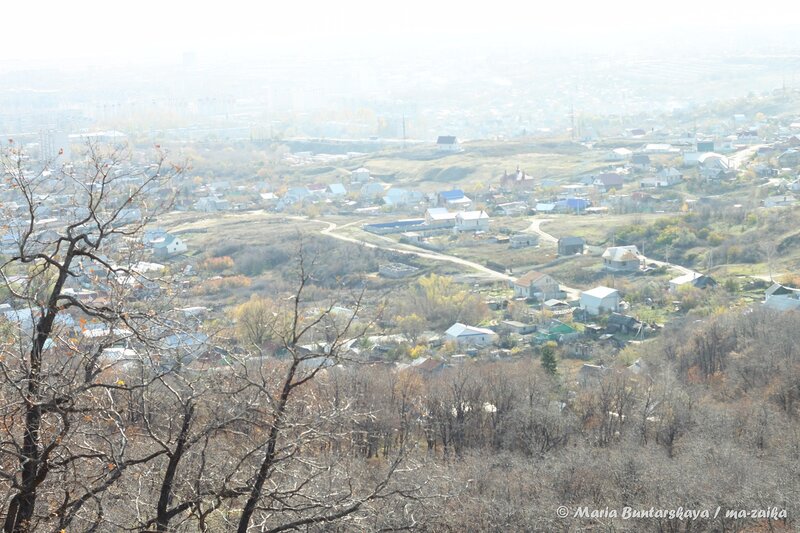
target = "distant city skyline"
x: 96, y: 33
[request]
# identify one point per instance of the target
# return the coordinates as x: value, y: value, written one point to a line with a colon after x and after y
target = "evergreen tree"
x: 549, y: 361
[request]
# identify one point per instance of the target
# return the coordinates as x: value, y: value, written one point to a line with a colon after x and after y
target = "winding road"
x: 571, y: 292
x: 742, y: 156
x: 536, y: 227
x: 409, y: 250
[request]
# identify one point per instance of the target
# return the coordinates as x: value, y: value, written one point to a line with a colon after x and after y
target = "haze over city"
x: 369, y: 266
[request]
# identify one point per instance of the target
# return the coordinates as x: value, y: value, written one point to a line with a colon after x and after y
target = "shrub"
x: 215, y: 285
x: 217, y: 264
x: 229, y: 249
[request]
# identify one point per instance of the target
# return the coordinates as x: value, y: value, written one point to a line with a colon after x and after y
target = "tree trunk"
x: 22, y: 505
x: 165, y: 497
x: 269, y: 456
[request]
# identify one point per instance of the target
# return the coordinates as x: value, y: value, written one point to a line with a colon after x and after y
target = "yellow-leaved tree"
x: 441, y: 302
x: 254, y: 320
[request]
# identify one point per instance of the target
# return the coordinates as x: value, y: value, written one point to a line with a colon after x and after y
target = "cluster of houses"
x: 450, y: 212
x: 95, y: 282
x: 174, y: 341
x: 362, y: 193
x: 781, y: 169
x: 594, y: 303
x: 633, y: 180
x: 518, y: 193
x: 57, y: 202
x: 628, y: 259
x: 545, y: 290
x: 515, y: 193
x: 545, y: 294
x: 169, y: 345
x: 711, y: 156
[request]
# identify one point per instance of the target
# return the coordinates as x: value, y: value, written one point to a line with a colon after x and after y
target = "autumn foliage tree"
x: 254, y: 319
x: 442, y: 302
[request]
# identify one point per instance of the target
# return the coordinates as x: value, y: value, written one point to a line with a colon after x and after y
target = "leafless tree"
x: 109, y: 419
x: 304, y: 444
x: 63, y: 225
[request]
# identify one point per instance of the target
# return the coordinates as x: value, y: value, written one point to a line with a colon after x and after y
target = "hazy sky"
x: 95, y: 31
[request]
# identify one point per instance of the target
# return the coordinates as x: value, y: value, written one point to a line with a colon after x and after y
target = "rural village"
x: 390, y: 276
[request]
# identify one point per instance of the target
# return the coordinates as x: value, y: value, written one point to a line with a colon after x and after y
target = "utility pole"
x: 572, y: 121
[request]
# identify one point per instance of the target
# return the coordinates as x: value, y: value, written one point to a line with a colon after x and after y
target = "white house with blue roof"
x: 454, y: 198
